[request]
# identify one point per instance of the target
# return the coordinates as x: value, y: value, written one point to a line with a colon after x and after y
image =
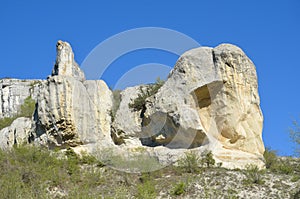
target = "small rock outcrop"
x: 209, y: 102
x: 13, y: 92
x: 18, y: 133
x: 127, y: 122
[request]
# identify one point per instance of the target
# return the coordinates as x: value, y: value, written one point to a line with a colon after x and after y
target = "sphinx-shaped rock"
x: 65, y: 65
x: 210, y: 101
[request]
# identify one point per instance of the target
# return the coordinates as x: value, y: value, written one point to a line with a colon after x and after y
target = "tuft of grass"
x: 179, y: 189
x: 253, y: 175
x: 146, y: 189
x: 295, y: 178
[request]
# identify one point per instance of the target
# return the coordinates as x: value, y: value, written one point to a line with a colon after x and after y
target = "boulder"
x: 127, y: 124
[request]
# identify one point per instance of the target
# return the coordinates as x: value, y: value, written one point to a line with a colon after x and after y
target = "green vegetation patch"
x: 139, y: 103
x: 26, y: 110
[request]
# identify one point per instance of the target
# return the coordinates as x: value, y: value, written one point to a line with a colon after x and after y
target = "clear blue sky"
x: 268, y: 31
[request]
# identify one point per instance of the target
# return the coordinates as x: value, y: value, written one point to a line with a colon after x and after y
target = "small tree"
x: 270, y: 158
x: 209, y: 159
x: 189, y: 162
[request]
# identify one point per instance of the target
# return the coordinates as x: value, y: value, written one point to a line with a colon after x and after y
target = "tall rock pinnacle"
x: 65, y: 65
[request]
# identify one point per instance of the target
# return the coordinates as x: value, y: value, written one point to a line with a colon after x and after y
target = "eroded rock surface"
x: 65, y: 64
x: 210, y: 102
x: 13, y: 92
x: 70, y: 111
x: 18, y: 133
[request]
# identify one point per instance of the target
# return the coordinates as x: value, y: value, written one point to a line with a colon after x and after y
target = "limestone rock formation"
x: 65, y: 65
x: 19, y: 132
x: 210, y: 102
x: 127, y: 122
x: 71, y: 112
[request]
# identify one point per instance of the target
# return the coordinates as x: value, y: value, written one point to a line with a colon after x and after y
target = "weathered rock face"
x: 65, y: 64
x: 210, y: 101
x: 19, y: 132
x: 13, y: 92
x: 71, y: 111
x: 127, y: 122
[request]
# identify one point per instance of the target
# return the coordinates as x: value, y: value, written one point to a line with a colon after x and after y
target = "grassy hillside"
x: 29, y: 172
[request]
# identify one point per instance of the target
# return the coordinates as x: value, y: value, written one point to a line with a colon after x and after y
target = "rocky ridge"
x: 209, y: 102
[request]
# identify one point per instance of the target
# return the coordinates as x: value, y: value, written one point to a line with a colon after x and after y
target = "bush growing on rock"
x: 140, y: 102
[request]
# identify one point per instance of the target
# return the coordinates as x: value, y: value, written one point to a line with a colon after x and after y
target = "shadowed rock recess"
x: 209, y: 102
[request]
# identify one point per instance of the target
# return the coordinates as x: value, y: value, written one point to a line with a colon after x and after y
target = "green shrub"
x: 276, y: 164
x: 28, y: 172
x: 253, y: 175
x: 146, y: 190
x: 190, y: 162
x: 270, y: 158
x: 179, y: 189
x: 140, y: 102
x: 283, y: 167
x: 208, y: 159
